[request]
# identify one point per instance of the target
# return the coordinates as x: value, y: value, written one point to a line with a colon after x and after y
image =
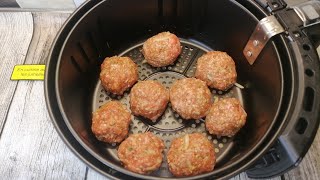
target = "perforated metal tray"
x: 170, y: 125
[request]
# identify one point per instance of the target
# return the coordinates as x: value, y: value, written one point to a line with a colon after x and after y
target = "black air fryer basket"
x: 275, y: 59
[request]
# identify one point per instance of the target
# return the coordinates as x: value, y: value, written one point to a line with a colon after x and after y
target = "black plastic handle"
x: 304, y: 116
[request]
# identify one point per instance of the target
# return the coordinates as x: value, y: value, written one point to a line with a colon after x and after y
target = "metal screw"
x: 249, y: 53
x: 275, y: 5
x: 255, y: 42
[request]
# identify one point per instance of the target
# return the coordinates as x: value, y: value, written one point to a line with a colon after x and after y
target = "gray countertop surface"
x: 30, y: 147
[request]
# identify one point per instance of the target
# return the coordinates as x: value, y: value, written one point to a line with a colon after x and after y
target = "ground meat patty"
x: 161, y: 49
x: 141, y: 153
x: 118, y: 74
x: 110, y: 123
x: 149, y: 99
x: 226, y: 117
x: 190, y: 98
x: 217, y: 69
x: 191, y: 155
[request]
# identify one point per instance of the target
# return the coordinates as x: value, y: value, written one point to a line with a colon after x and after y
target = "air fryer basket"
x: 106, y: 28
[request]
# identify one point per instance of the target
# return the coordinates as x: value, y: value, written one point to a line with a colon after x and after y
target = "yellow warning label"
x: 28, y: 72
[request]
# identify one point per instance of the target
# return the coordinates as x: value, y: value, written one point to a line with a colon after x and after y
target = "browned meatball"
x: 226, y: 117
x: 149, y: 99
x: 190, y: 98
x: 110, y: 123
x: 217, y: 69
x: 191, y: 155
x: 141, y: 153
x: 118, y: 74
x: 161, y: 49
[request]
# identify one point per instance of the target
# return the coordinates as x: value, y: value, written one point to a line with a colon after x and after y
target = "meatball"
x: 110, y: 123
x: 190, y: 98
x: 141, y: 153
x: 191, y: 155
x: 217, y: 69
x: 118, y: 74
x: 226, y: 117
x: 161, y: 49
x: 149, y: 99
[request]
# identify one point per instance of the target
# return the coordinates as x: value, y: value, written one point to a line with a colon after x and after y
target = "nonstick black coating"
x: 170, y: 125
x: 219, y: 25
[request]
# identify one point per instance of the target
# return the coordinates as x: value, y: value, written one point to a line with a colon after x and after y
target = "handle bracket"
x: 266, y: 29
